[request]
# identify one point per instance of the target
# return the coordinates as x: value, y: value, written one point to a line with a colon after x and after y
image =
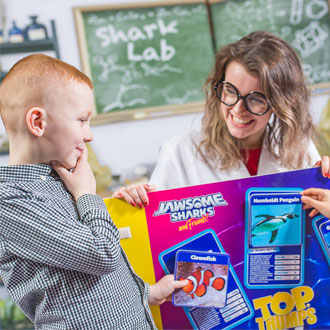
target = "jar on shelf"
x: 2, y: 39
x: 15, y: 34
x: 36, y: 31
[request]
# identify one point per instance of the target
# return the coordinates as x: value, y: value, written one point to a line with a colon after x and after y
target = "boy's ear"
x: 35, y: 120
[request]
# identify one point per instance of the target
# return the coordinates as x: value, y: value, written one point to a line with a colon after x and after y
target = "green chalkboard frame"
x: 127, y: 114
x: 221, y: 37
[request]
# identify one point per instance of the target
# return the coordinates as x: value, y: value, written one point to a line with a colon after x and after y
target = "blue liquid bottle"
x: 2, y: 40
x: 15, y: 34
x: 36, y: 31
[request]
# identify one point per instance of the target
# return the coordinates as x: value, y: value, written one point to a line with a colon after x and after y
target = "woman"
x: 256, y: 121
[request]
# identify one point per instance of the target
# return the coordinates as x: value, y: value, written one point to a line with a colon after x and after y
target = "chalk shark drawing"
x: 271, y: 224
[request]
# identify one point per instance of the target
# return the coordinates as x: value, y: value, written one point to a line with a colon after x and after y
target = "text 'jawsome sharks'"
x: 197, y: 207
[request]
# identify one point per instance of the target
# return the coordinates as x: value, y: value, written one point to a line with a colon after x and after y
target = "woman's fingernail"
x: 146, y: 203
x: 133, y: 204
x: 146, y: 185
x: 119, y: 195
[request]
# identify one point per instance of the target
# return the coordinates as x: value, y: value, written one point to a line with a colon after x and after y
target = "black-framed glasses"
x: 254, y: 102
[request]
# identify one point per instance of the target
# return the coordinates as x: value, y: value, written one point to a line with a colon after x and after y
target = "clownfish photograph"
x: 200, y: 280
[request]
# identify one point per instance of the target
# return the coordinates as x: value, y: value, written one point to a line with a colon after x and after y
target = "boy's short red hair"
x: 35, y: 80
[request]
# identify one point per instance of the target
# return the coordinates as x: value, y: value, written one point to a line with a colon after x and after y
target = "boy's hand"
x: 318, y: 199
x: 81, y: 180
x: 135, y: 195
x: 162, y: 290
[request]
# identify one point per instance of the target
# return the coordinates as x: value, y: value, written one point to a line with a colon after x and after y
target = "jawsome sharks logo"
x: 188, y: 208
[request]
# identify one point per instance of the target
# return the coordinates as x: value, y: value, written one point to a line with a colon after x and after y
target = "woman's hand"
x: 135, y: 195
x: 318, y: 199
x: 325, y: 163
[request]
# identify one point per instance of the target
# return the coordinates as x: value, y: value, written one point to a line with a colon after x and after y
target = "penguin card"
x: 207, y: 274
x: 321, y: 227
x: 274, y: 238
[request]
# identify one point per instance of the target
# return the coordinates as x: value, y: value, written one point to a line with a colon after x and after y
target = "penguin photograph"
x: 276, y: 225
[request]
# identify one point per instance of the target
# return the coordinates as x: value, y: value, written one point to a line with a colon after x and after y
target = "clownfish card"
x: 274, y: 238
x: 207, y: 274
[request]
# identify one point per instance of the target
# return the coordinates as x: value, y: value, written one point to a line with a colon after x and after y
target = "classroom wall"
x: 121, y: 146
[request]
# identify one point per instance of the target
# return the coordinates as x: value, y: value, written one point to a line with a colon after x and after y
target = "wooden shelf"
x: 27, y: 46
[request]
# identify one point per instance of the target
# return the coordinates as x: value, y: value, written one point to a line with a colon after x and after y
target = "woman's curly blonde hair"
x: 278, y: 67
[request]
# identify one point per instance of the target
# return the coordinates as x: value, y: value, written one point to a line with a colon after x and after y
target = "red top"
x: 253, y: 160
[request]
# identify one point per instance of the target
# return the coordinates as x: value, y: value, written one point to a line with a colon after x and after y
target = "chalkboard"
x: 151, y: 59
x: 145, y: 59
x: 305, y: 24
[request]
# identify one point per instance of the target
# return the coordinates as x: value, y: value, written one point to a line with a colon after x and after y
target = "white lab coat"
x: 178, y: 164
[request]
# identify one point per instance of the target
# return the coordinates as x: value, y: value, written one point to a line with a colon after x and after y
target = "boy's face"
x: 67, y: 129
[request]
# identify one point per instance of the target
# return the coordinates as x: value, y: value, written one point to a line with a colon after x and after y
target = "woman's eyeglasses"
x: 254, y: 102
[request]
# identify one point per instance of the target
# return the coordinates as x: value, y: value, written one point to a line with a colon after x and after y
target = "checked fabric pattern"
x: 61, y: 261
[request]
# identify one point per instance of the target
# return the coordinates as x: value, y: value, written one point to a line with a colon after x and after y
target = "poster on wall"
x: 278, y: 270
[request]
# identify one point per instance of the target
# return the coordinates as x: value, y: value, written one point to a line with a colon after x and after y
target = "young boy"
x: 60, y: 256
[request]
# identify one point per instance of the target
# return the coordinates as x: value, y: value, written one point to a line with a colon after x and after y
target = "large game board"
x: 279, y: 273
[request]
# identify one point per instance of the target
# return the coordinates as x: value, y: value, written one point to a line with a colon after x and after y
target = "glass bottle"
x: 15, y: 34
x: 2, y: 40
x: 36, y: 31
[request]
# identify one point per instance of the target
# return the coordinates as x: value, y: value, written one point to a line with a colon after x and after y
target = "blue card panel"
x: 238, y: 308
x: 274, y: 239
x: 321, y: 227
